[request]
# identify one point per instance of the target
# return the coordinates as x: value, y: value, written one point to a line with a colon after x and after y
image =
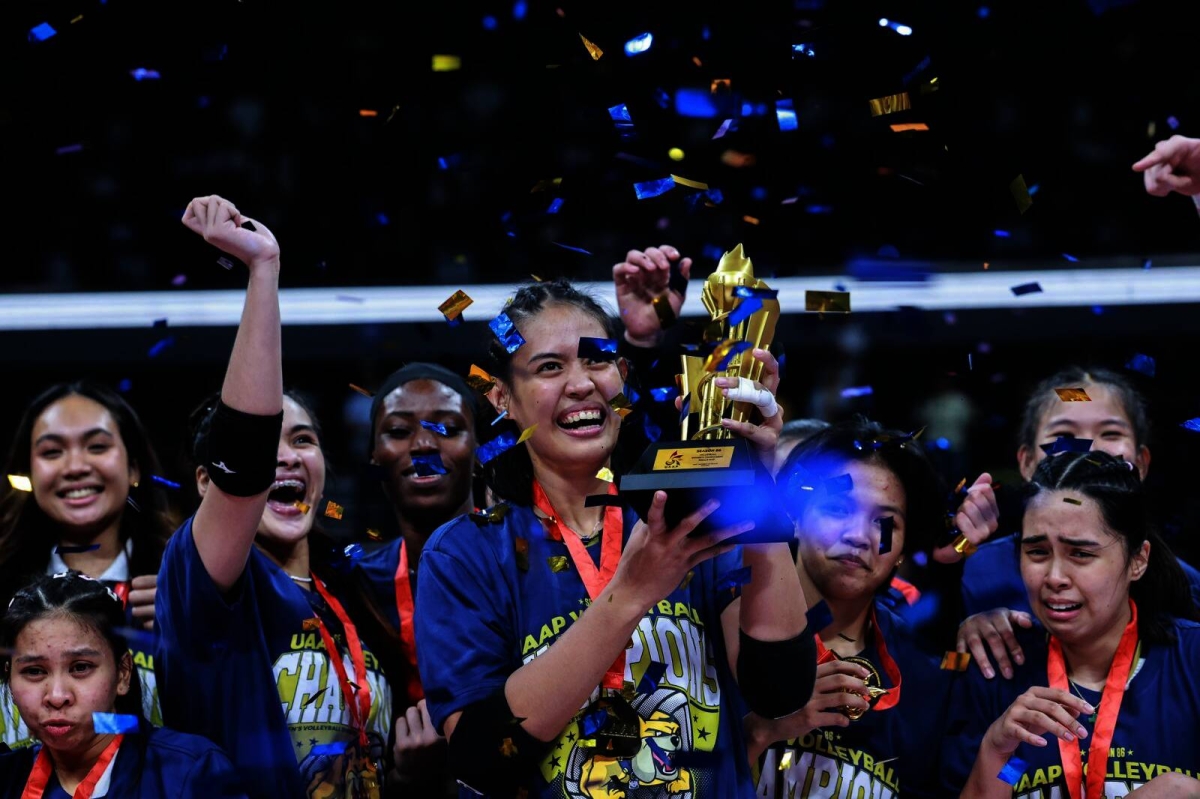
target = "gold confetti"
x: 395, y: 108
x: 526, y: 434
x: 750, y: 220
x: 521, y: 549
x: 20, y: 482
x: 963, y: 546
x: 827, y: 301
x: 446, y: 63
x: 1151, y: 129
x: 1020, y: 193
x: 333, y: 510
x: 909, y: 126
x: 480, y: 380
x: 785, y: 762
x: 362, y: 391
x: 696, y: 60
x: 301, y: 506
x: 558, y: 563
x: 605, y: 474
x: 676, y: 154
x: 890, y: 104
x: 374, y: 534
x: 1072, y: 501
x: 314, y: 697
x: 735, y: 159
x: 508, y: 748
x: 956, y: 661
x: 536, y: 279
x: 455, y: 304
x: 719, y: 83
x: 367, y: 112
x: 543, y: 185
x: 662, y: 307
x: 1072, y: 395
x: 77, y: 19
x: 309, y: 625
x: 687, y: 578
x: 592, y: 49
x: 695, y: 184
x: 620, y: 405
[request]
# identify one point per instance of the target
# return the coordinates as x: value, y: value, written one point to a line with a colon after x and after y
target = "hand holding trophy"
x: 720, y: 391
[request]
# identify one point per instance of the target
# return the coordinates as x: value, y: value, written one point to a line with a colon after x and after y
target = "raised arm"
x: 245, y: 431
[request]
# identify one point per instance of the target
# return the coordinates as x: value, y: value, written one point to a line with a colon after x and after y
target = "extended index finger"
x: 770, y: 371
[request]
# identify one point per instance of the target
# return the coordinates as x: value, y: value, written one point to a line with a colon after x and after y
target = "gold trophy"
x: 710, y: 461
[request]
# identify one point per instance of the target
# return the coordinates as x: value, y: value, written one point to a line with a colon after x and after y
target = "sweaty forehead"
x: 423, y: 396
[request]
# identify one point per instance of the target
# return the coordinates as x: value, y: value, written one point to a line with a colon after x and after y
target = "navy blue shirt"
x: 992, y: 578
x: 1158, y: 726
x: 242, y: 670
x: 158, y: 764
x: 486, y: 608
x: 884, y: 754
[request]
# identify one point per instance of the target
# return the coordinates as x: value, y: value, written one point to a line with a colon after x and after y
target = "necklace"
x: 300, y: 579
x: 1091, y: 718
x: 845, y: 637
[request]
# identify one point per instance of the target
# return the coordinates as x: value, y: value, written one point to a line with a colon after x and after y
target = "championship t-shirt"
x: 885, y: 754
x: 992, y: 578
x: 250, y: 671
x: 494, y: 596
x: 1158, y: 727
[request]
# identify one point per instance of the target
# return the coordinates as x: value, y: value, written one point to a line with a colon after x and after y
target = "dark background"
x: 261, y: 103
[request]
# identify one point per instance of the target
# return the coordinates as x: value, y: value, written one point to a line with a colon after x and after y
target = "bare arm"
x: 225, y: 525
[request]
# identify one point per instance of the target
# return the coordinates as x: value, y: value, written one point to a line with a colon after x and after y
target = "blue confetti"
x: 597, y: 349
x: 353, y: 552
x: 114, y: 723
x: 744, y: 310
x: 428, y: 465
x: 141, y: 74
x: 1027, y: 288
x: 639, y: 44
x: 593, y: 723
x: 887, y: 525
x: 330, y: 750
x: 785, y: 113
x: 665, y: 394
x: 569, y: 247
x: 818, y: 209
x: 159, y: 346
x: 61, y: 550
x: 733, y: 579
x: 650, y: 677
x: 1070, y: 257
x: 818, y: 617
x: 503, y: 413
x: 903, y: 30
x: 921, y: 559
x: 1001, y: 234
x: 983, y: 12
x: 520, y: 7
x: 695, y: 103
x: 653, y: 188
x: 652, y: 431
x: 942, y: 443
x: 490, y: 23
x: 857, y: 391
x: 737, y: 349
x: 125, y: 385
x: 162, y: 481
x: 1013, y: 770
x: 555, y: 204
x: 753, y: 291
x: 712, y: 251
x: 1146, y: 264
x: 1067, y: 444
x: 506, y: 332
x: 1097, y: 310
x: 40, y: 33
x: 1034, y: 189
x: 802, y: 49
x: 69, y: 148
x: 662, y: 97
x: 436, y: 427
x: 685, y: 408
x: 620, y: 113
x: 1191, y: 424
x: 497, y: 446
x: 1141, y: 363
x: 1173, y: 123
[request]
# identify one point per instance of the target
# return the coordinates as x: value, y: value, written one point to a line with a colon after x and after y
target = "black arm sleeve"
x: 241, y: 450
x: 490, y: 752
x: 776, y: 677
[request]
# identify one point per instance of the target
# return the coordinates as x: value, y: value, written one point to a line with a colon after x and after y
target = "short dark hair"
x: 82, y: 599
x: 1043, y: 397
x: 1163, y: 591
x: 27, y: 535
x: 821, y: 457
x: 801, y: 428
x: 510, y: 476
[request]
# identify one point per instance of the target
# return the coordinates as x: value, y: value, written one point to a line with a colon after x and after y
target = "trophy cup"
x: 710, y: 461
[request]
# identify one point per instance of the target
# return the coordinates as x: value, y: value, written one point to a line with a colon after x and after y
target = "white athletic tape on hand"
x: 746, y: 392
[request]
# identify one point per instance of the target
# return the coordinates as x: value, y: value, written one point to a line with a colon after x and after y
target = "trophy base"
x: 693, y: 472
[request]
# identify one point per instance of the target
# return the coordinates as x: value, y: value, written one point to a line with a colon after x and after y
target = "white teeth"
x: 287, y: 484
x: 80, y: 493
x: 1061, y: 607
x: 578, y: 416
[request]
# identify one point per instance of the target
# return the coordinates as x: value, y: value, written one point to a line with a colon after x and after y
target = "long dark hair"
x: 1043, y: 397
x: 823, y: 455
x: 510, y: 476
x: 1163, y: 591
x: 326, y: 557
x: 27, y: 535
x: 82, y: 599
